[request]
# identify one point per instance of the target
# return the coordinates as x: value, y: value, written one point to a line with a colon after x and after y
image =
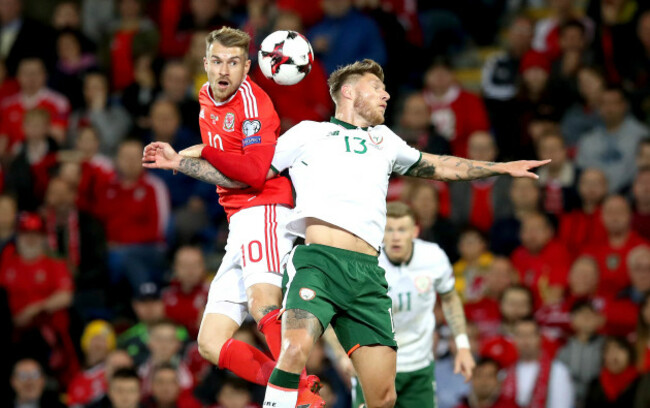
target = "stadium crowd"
x: 105, y: 266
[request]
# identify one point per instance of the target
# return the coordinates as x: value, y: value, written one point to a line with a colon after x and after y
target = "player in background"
x: 416, y: 271
x: 340, y: 171
x: 239, y: 127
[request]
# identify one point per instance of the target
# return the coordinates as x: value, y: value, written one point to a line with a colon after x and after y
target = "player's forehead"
x: 371, y: 79
x: 220, y: 51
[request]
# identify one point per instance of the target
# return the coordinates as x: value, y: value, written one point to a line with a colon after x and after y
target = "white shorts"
x: 258, y: 242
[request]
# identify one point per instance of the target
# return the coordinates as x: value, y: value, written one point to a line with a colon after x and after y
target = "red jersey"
x: 14, y: 107
x: 87, y: 386
x: 31, y: 282
x: 613, y: 264
x: 96, y: 173
x: 579, y: 229
x: 245, y: 121
x: 185, y: 308
x: 486, y: 314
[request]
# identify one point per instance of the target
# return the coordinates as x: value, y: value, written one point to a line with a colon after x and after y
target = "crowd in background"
x: 104, y: 266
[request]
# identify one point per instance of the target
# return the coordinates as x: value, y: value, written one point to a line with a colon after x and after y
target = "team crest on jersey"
x: 376, y: 138
x: 422, y: 284
x: 214, y: 118
x: 307, y: 294
x: 251, y: 127
x: 229, y: 122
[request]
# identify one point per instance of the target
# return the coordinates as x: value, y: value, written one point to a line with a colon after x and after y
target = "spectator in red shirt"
x: 235, y: 393
x: 187, y: 293
x: 612, y: 253
x: 559, y: 178
x: 642, y: 345
x: 641, y: 196
x: 166, y: 390
x: 584, y: 226
x: 486, y: 387
x: 115, y: 360
x: 30, y: 171
x: 8, y: 211
x: 455, y: 112
x: 89, y: 385
x: 32, y: 77
x: 542, y: 262
x: 134, y: 207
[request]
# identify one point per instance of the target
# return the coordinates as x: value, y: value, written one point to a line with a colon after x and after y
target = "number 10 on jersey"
x: 215, y: 141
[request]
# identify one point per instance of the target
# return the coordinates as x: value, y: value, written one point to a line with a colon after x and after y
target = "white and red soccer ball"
x: 285, y: 57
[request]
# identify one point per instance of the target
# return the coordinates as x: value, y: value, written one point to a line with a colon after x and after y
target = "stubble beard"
x: 372, y: 116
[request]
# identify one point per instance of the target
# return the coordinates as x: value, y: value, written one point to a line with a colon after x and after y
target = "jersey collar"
x: 407, y: 262
x: 346, y: 124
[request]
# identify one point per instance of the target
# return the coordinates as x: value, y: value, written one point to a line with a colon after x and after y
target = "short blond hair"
x: 398, y: 209
x: 352, y: 72
x: 228, y: 37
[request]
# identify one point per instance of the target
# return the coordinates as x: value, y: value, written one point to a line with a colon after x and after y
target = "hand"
x: 521, y: 168
x: 464, y: 363
x: 193, y: 151
x: 28, y: 314
x: 160, y: 155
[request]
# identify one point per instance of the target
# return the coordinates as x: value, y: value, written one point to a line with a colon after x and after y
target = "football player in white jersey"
x: 340, y: 171
x: 416, y: 271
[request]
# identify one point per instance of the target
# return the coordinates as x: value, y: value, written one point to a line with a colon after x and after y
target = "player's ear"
x: 205, y: 64
x: 247, y: 67
x: 416, y: 231
x: 346, y: 91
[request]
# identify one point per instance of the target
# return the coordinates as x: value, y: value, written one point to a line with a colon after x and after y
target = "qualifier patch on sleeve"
x: 251, y: 127
x: 247, y: 141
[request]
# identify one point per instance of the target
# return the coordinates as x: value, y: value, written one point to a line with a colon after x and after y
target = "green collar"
x: 346, y: 124
x: 408, y: 261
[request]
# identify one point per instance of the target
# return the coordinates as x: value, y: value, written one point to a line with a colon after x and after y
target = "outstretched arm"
x: 159, y: 155
x: 452, y: 307
x: 451, y: 168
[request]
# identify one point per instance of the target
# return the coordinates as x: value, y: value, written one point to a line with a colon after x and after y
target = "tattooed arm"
x: 452, y: 307
x: 451, y: 168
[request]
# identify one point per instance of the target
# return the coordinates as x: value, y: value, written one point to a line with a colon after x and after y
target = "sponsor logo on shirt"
x: 229, y: 122
x: 214, y: 118
x: 251, y: 127
x: 307, y: 294
x: 251, y: 140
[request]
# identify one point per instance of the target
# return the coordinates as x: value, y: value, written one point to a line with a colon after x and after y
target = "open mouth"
x: 223, y: 84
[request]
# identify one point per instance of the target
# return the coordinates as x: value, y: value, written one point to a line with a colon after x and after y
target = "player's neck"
x: 350, y: 117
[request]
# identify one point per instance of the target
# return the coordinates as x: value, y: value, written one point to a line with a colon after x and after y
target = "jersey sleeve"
x: 405, y: 155
x: 288, y: 148
x: 445, y: 282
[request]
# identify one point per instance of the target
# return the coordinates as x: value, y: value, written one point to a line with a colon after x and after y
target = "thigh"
x: 227, y: 295
x: 375, y: 367
x: 216, y: 328
x: 416, y: 389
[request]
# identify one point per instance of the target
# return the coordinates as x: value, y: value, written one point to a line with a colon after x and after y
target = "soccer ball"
x: 285, y: 57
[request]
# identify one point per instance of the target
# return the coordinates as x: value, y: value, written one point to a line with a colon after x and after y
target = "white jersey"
x: 413, y: 286
x: 340, y: 173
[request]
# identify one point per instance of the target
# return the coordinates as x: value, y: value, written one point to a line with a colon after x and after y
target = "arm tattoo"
x: 452, y: 307
x: 301, y: 319
x: 423, y: 169
x: 202, y: 170
x: 451, y: 168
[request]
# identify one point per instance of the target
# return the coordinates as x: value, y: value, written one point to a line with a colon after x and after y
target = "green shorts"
x: 343, y: 288
x: 414, y: 389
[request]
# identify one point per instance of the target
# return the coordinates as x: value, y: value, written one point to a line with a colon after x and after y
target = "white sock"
x: 276, y: 397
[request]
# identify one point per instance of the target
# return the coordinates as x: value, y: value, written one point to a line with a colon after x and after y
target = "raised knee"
x: 385, y: 399
x: 294, y: 354
x: 210, y: 349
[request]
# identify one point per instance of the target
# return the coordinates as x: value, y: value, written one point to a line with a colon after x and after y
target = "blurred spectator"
x: 642, y: 347
x: 316, y: 103
x: 8, y: 211
x: 542, y: 262
x: 258, y: 23
x: 187, y: 293
x: 166, y: 390
x: 116, y: 359
x: 548, y: 31
x: 525, y: 197
x: 175, y: 87
x: 110, y: 120
x: 455, y: 112
x: 28, y: 383
x: 164, y: 348
x: 618, y: 381
x: 638, y: 267
x: 320, y: 365
x: 234, y: 393
x: 486, y: 387
x: 582, y: 118
x: 149, y: 309
x: 500, y: 80
x: 135, y: 212
x: 23, y: 37
x: 8, y: 85
x: 193, y: 60
x: 89, y: 385
x: 583, y: 351
x: 479, y: 202
x: 425, y: 201
x: 641, y: 199
x: 584, y: 226
x: 612, y: 147
x: 73, y: 62
x: 472, y: 267
x: 612, y: 252
x: 167, y: 126
x: 131, y: 35
x: 33, y: 94
x: 635, y: 73
x: 536, y: 379
x: 34, y: 164
x: 124, y: 389
x: 416, y: 129
x: 345, y: 35
x: 559, y: 177
x: 138, y: 97
x: 96, y: 18
x: 40, y: 291
x: 451, y: 388
x: 484, y: 311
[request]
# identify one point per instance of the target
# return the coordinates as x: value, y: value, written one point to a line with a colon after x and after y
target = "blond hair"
x: 397, y: 209
x: 228, y: 37
x: 352, y: 72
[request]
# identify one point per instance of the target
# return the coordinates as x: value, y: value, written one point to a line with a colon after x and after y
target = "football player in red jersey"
x: 239, y: 127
